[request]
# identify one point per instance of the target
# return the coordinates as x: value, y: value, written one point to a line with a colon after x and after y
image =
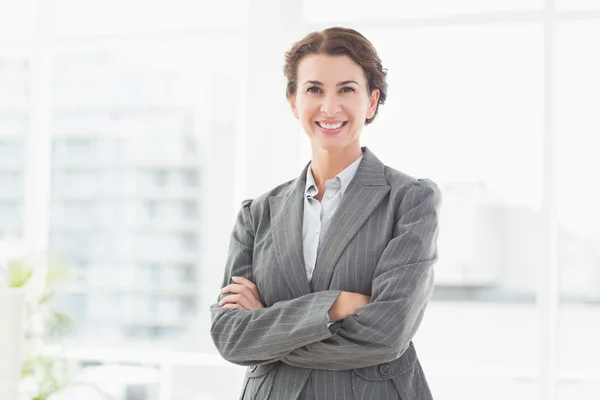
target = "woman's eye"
x: 347, y: 89
x: 313, y: 89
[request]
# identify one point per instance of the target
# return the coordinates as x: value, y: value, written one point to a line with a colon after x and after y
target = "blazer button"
x: 252, y: 368
x: 385, y: 369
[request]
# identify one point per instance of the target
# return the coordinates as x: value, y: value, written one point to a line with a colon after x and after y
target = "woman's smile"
x: 331, y: 127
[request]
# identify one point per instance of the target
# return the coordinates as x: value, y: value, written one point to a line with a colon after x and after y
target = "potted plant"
x: 12, y: 315
x: 12, y: 326
x: 29, y: 325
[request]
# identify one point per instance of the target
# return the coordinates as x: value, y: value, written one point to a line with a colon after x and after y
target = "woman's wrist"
x: 346, y: 305
x: 335, y: 310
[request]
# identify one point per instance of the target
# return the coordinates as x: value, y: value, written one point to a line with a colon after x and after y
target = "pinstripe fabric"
x: 381, y: 242
x: 317, y: 214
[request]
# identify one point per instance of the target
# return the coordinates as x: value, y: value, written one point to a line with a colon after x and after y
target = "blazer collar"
x: 363, y: 195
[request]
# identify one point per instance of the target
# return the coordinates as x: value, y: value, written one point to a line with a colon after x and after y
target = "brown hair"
x: 336, y: 42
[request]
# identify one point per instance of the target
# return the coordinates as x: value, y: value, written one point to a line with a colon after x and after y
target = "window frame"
x: 38, y: 158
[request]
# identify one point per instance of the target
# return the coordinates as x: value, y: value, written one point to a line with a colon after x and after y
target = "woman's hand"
x: 346, y: 304
x: 245, y: 295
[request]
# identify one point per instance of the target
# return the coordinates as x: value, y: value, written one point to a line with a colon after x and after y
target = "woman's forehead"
x: 329, y: 69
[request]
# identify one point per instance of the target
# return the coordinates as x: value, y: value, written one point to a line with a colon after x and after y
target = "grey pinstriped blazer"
x: 381, y: 242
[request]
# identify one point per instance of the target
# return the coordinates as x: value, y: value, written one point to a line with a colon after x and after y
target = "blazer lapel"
x: 363, y: 195
x: 286, y: 223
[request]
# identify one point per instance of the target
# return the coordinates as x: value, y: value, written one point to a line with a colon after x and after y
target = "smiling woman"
x: 328, y: 275
x: 333, y: 112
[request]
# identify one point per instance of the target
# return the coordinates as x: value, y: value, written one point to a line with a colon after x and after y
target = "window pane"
x: 578, y: 4
x: 92, y: 17
x: 14, y: 110
x: 465, y: 108
x: 128, y: 186
x: 356, y: 10
x: 472, y: 384
x: 578, y: 198
x: 17, y: 18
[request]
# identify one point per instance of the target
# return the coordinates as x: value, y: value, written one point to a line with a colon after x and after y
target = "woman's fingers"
x: 232, y: 305
x: 243, y: 286
x: 248, y: 283
x: 249, y: 303
x: 241, y: 290
x: 235, y: 299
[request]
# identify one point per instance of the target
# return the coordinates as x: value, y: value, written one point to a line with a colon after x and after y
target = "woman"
x: 328, y: 275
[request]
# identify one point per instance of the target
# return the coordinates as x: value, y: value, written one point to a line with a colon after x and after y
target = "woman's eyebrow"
x: 321, y: 83
x: 346, y: 82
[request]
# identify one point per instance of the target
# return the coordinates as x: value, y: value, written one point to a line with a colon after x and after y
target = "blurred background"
x: 130, y: 131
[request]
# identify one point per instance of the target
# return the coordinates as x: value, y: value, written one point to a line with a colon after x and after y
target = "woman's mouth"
x: 331, y: 128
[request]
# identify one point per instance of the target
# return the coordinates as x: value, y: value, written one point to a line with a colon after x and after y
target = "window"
x: 115, y: 17
x: 151, y: 208
x: 158, y: 132
x: 354, y: 10
x: 160, y: 178
x: 149, y: 274
x: 578, y: 4
x: 17, y: 19
x: 12, y: 151
x: 189, y: 209
x: 188, y: 272
x: 188, y: 305
x: 578, y: 198
x: 189, y: 242
x: 457, y: 105
x: 190, y: 178
x: 14, y: 122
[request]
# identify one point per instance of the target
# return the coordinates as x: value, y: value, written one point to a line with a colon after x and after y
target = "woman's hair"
x: 337, y: 42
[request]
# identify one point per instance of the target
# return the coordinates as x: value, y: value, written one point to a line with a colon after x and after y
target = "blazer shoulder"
x: 401, y: 184
x: 261, y: 202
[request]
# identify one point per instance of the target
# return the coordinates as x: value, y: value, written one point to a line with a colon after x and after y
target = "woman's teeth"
x: 330, y: 126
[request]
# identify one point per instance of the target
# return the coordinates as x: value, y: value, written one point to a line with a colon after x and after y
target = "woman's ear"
x: 373, y: 101
x: 292, y: 101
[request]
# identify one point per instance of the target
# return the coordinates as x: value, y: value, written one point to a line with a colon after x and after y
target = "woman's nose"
x: 331, y: 104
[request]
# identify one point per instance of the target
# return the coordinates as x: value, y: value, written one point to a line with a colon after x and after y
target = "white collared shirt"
x: 317, y: 215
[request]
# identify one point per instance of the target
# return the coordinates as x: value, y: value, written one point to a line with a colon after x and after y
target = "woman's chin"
x: 330, y: 145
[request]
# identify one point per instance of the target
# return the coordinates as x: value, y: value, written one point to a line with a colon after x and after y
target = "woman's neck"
x: 327, y: 164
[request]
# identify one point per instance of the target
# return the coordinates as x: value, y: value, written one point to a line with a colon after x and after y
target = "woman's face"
x: 332, y: 101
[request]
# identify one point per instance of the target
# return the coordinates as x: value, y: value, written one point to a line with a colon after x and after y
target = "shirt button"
x: 317, y: 231
x: 385, y: 369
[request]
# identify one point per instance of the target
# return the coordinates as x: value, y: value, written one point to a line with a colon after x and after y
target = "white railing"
x: 164, y: 360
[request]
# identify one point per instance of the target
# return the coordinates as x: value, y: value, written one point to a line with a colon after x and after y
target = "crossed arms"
x: 368, y: 331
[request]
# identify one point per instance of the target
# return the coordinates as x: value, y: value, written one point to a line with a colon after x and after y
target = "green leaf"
x: 19, y: 273
x: 58, y: 325
x: 57, y: 271
x: 46, y: 297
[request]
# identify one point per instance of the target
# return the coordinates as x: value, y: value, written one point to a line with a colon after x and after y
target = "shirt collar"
x: 344, y: 177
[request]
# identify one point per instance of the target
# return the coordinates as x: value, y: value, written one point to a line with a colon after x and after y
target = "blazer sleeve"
x: 402, y: 286
x: 247, y: 337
